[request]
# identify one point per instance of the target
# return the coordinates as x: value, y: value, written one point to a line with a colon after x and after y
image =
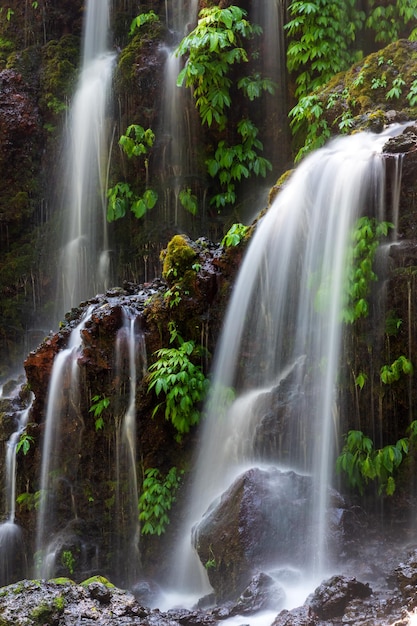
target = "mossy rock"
x: 364, y: 97
x: 97, y: 579
x: 178, y: 258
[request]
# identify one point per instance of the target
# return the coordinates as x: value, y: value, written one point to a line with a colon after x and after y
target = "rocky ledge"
x: 338, y: 601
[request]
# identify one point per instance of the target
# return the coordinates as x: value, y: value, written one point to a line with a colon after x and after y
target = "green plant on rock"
x: 365, y: 239
x: 362, y: 463
x: 181, y: 383
x: 140, y: 20
x: 68, y: 560
x: 30, y: 501
x: 136, y: 142
x: 235, y: 234
x: 391, y: 373
x: 213, y: 48
x: 24, y: 443
x: 156, y: 499
x: 99, y: 404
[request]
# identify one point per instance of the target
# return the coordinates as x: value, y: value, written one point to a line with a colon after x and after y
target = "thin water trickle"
x: 11, y: 540
x: 63, y: 393
x: 284, y: 323
x: 130, y: 359
x: 85, y: 262
x: 179, y: 163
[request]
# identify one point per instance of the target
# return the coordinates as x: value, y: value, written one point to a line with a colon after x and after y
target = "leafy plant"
x: 140, y: 20
x: 365, y: 240
x: 234, y: 235
x: 412, y: 94
x: 362, y: 463
x: 396, y: 89
x: 30, y: 501
x: 68, y: 560
x: 213, y: 48
x: 307, y: 121
x: 136, y: 142
x: 320, y: 34
x: 180, y: 381
x: 100, y: 403
x: 24, y: 443
x: 391, y: 373
x: 156, y: 499
x: 188, y: 201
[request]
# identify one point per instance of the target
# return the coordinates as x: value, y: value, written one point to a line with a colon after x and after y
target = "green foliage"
x: 8, y: 11
x: 156, y: 499
x: 412, y: 94
x: 365, y: 239
x: 324, y: 39
x: 234, y: 235
x: 306, y: 120
x: 24, y: 443
x: 140, y: 20
x: 30, y: 501
x: 188, y: 201
x: 361, y: 379
x: 99, y: 404
x: 213, y: 48
x: 180, y: 381
x: 136, y: 142
x: 388, y: 21
x: 391, y: 373
x: 232, y: 163
x: 68, y: 560
x: 362, y: 463
x: 321, y: 34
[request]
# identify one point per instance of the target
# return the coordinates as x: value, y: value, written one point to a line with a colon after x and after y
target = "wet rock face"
x: 262, y: 520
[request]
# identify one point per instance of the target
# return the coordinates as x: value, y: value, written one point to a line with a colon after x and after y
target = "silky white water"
x: 284, y: 320
x: 130, y: 360
x: 65, y: 368
x: 85, y: 262
x: 176, y: 129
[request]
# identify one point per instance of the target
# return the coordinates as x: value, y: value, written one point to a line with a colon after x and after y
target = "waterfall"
x: 85, y: 263
x: 179, y: 166
x: 284, y: 323
x: 55, y: 486
x: 12, y: 547
x: 130, y: 360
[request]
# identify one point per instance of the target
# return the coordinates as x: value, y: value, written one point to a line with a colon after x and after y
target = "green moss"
x: 97, y: 579
x: 62, y: 580
x: 178, y: 258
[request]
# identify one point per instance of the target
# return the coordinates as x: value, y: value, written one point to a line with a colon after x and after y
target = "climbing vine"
x: 365, y: 239
x: 212, y: 49
x: 179, y: 381
x: 156, y: 499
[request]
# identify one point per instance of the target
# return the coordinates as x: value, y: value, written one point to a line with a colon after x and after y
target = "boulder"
x: 262, y: 521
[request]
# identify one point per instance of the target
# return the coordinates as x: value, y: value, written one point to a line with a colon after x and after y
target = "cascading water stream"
x: 178, y: 157
x: 284, y: 323
x: 85, y: 261
x: 130, y: 366
x: 11, y: 542
x: 63, y: 388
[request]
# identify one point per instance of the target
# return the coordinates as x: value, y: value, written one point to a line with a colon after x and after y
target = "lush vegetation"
x: 179, y: 381
x: 328, y: 37
x: 156, y: 499
x: 212, y: 49
x: 365, y: 239
x: 362, y: 463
